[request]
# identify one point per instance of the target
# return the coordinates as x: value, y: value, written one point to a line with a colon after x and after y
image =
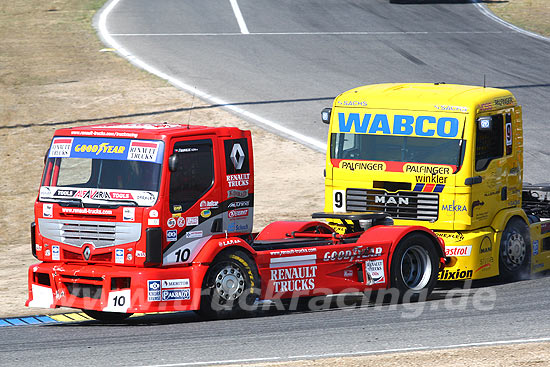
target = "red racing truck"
x: 148, y: 218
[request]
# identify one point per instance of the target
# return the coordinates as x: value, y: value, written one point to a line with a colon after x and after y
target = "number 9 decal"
x: 339, y: 201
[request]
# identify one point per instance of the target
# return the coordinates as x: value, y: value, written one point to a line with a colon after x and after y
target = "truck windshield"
x: 396, y: 148
x: 95, y: 170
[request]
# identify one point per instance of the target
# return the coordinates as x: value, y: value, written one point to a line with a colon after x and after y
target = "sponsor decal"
x: 485, y: 264
x: 61, y: 147
x: 352, y: 103
x: 451, y: 108
x: 181, y: 222
x: 171, y: 222
x: 237, y: 194
x: 227, y: 243
x: 119, y: 256
x: 47, y: 252
x: 380, y: 123
x: 545, y: 228
x: 153, y: 214
x: 236, y: 227
x: 238, y: 180
x: 65, y: 193
x: 153, y: 290
x: 47, y: 210
x: 431, y: 179
x: 153, y: 222
x: 458, y: 250
x: 55, y: 252
x: 293, y: 251
x: 120, y: 195
x: 427, y: 169
x: 454, y: 207
x: 375, y: 268
x: 362, y: 166
x: 348, y: 273
x: 455, y: 274
x: 175, y: 283
x: 457, y: 236
x: 140, y: 253
x: 209, y: 204
x: 238, y: 204
x: 176, y: 294
x: 206, y: 213
x: 237, y: 213
x: 350, y: 255
x: 108, y: 148
x: 193, y: 234
x: 38, y: 247
x: 535, y: 247
x: 143, y: 151
x: 129, y: 214
x: 171, y: 235
x: 177, y: 208
x: 294, y: 279
x: 486, y: 246
x: 192, y: 221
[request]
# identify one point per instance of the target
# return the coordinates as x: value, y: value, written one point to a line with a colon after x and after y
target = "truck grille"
x: 99, y: 234
x: 400, y: 205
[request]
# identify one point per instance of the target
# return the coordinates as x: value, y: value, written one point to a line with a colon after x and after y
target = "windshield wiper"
x: 111, y: 204
x: 70, y: 203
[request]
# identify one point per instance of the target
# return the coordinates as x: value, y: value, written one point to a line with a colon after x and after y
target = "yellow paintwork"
x: 470, y: 216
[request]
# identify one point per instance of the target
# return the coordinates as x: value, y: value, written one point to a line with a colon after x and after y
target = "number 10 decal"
x: 339, y: 201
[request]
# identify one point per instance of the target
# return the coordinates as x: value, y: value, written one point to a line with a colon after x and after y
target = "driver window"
x: 489, y: 143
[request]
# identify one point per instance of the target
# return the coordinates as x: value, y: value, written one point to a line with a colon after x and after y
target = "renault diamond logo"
x: 237, y: 156
x: 86, y: 253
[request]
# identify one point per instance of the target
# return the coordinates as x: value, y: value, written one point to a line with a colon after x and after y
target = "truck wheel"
x: 108, y: 317
x: 515, y: 251
x: 414, y: 267
x: 231, y: 286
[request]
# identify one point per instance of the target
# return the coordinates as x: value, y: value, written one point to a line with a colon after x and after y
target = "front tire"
x: 414, y: 267
x: 231, y: 286
x: 515, y: 251
x: 107, y: 317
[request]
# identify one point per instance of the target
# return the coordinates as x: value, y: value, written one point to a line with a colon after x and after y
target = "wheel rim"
x: 514, y: 250
x: 229, y: 283
x: 416, y: 267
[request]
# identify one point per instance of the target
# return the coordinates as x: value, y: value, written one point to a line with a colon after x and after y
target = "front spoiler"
x: 115, y: 288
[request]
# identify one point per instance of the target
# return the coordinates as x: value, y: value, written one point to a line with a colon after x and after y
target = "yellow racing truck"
x: 447, y: 157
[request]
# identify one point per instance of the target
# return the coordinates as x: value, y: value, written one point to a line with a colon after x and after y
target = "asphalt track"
x: 279, y: 64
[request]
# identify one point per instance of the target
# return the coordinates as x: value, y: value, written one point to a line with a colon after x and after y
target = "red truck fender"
x: 216, y: 245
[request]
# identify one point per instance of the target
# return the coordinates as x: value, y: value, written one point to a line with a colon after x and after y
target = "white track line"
x: 372, y: 33
x: 356, y: 354
x: 109, y: 40
x: 483, y: 9
x: 239, y: 16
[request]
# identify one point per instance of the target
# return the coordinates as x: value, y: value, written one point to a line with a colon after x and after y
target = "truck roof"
x: 144, y: 131
x: 427, y: 97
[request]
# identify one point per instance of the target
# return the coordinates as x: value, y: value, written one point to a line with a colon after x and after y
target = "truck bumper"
x: 470, y: 255
x: 115, y: 288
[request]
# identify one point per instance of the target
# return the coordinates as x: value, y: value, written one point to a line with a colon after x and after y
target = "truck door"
x: 194, y: 199
x: 496, y: 181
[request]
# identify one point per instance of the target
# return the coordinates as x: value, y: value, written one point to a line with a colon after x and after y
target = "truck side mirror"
x: 173, y: 163
x: 325, y: 115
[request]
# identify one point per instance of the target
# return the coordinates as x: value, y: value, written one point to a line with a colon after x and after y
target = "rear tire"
x: 107, y: 317
x: 231, y: 286
x: 414, y: 267
x: 515, y: 251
